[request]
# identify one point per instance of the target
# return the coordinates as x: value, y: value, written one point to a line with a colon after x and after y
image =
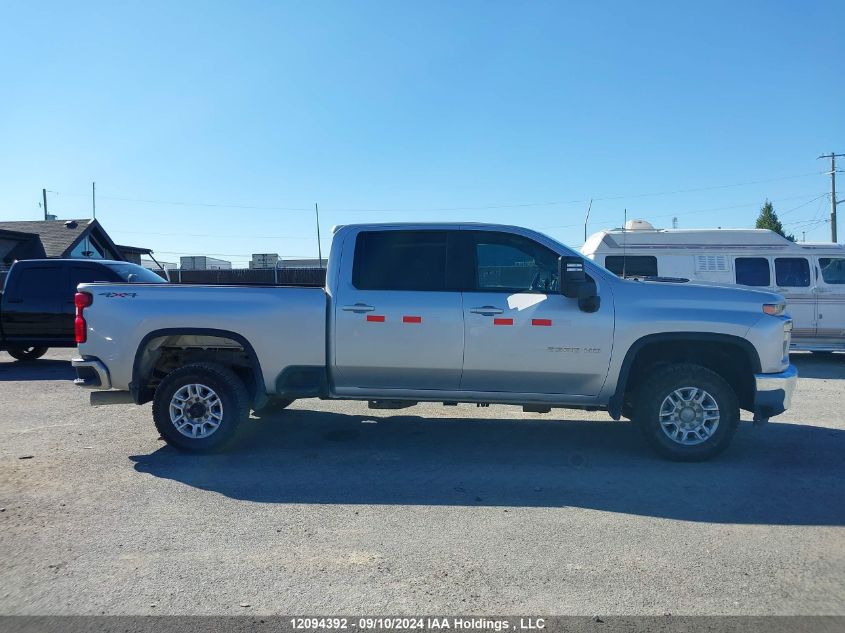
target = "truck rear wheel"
x: 27, y: 353
x: 198, y: 407
x: 686, y: 412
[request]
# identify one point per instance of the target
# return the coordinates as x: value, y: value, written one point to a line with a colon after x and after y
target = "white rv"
x: 810, y: 276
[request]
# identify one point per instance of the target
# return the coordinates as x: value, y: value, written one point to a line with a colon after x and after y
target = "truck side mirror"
x: 572, y: 277
x: 575, y: 284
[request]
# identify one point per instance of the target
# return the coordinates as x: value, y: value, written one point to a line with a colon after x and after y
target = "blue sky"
x: 512, y: 112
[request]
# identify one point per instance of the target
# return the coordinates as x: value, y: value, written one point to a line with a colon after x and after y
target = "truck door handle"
x: 358, y: 308
x: 486, y: 310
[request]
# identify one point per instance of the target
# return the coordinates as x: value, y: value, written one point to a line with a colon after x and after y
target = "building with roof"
x: 154, y: 264
x: 203, y: 262
x: 301, y: 263
x: 84, y: 239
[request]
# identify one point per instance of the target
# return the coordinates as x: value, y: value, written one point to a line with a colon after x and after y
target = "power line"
x: 448, y: 209
x: 804, y: 204
x: 585, y: 200
x: 557, y: 226
x: 685, y: 213
x: 228, y: 236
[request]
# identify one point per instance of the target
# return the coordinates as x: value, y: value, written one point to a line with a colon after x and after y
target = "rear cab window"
x: 134, y: 274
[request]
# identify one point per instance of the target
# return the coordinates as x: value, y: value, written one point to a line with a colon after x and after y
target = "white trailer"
x: 810, y: 276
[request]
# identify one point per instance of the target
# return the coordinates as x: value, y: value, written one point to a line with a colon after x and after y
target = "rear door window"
x: 792, y: 272
x: 45, y: 282
x: 832, y: 270
x: 752, y: 271
x: 401, y: 260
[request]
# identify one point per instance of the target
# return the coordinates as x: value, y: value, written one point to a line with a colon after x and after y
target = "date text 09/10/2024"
x: 418, y: 623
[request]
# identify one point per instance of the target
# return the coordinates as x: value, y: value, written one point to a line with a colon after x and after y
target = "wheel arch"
x: 714, y: 342
x: 141, y: 393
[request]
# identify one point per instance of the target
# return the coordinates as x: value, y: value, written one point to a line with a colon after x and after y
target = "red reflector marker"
x: 82, y: 299
x: 375, y: 318
x: 545, y: 322
x: 411, y: 319
x: 79, y: 330
x: 502, y: 321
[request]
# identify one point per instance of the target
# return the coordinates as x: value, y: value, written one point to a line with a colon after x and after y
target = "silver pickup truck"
x: 448, y: 313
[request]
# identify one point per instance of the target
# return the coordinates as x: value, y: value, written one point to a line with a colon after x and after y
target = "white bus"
x: 810, y: 276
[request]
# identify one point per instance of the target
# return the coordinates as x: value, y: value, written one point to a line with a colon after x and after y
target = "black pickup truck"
x: 36, y: 305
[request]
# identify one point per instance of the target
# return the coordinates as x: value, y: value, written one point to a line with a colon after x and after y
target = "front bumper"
x: 91, y: 373
x: 773, y: 393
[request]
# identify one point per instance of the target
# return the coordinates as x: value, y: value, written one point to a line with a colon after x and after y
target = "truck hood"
x: 705, y: 294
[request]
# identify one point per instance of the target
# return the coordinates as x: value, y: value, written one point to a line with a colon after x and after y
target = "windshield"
x: 134, y: 274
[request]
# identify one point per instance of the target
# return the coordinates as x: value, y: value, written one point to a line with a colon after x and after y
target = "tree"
x: 768, y: 219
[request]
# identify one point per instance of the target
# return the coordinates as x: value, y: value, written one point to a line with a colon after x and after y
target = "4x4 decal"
x: 118, y: 295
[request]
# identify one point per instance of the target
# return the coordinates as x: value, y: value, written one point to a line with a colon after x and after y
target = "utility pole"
x: 44, y: 196
x: 94, y: 199
x: 319, y: 246
x: 833, y: 201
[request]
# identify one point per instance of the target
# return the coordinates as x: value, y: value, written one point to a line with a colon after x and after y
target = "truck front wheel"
x: 686, y: 412
x: 198, y: 407
x: 27, y: 353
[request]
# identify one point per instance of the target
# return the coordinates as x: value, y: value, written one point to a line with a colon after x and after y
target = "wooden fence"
x: 310, y: 277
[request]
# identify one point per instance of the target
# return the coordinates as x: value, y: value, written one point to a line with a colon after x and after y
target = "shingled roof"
x: 57, y: 236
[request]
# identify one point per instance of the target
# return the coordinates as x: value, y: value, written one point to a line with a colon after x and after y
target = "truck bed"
x: 284, y: 326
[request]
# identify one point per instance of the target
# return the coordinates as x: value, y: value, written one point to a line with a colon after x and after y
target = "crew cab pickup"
x: 37, y: 303
x: 450, y: 313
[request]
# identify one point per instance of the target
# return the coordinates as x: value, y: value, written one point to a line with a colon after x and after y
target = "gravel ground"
x: 330, y: 507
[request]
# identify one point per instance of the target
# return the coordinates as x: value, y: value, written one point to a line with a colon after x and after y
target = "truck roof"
x: 440, y: 225
x: 69, y: 260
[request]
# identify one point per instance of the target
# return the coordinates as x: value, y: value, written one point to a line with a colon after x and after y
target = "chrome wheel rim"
x: 196, y: 411
x: 689, y: 416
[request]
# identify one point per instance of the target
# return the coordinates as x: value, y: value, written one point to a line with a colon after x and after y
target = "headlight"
x: 775, y: 309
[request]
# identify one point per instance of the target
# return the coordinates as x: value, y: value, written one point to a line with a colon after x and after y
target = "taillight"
x: 80, y: 329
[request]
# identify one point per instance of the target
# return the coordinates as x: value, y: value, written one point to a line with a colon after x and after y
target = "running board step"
x: 391, y: 404
x: 536, y: 408
x: 102, y: 398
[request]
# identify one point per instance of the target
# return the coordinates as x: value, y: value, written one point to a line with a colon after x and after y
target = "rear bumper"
x: 91, y: 373
x: 773, y: 393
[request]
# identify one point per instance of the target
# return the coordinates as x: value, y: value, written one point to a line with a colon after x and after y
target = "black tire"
x: 232, y: 395
x: 27, y: 353
x: 274, y: 405
x: 653, y: 393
